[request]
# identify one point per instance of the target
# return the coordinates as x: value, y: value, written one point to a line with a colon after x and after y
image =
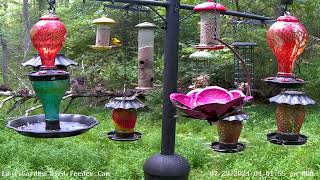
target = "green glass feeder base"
x: 35, y: 126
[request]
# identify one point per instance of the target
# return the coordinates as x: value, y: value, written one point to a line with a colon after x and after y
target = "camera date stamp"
x: 244, y: 173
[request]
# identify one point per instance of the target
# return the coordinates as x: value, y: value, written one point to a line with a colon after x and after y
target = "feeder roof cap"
x: 104, y: 20
x: 209, y: 6
x: 146, y: 25
x: 201, y: 55
x: 60, y: 60
x: 49, y: 17
x: 287, y: 18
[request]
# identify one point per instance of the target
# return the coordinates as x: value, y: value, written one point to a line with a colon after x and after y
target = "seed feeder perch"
x: 103, y: 33
x: 124, y: 117
x: 209, y: 25
x: 50, y: 84
x: 201, y: 67
x: 216, y: 105
x: 145, y: 55
x: 287, y: 38
x: 61, y: 62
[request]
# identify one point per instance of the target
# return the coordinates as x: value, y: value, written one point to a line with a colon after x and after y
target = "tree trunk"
x: 26, y: 26
x: 5, y: 57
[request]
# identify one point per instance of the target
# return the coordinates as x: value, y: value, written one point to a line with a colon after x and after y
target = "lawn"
x: 93, y: 154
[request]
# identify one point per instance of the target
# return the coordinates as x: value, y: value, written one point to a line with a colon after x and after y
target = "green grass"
x: 92, y: 152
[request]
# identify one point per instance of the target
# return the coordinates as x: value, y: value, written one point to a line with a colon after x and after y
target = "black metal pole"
x: 190, y: 7
x: 167, y: 165
x: 170, y: 78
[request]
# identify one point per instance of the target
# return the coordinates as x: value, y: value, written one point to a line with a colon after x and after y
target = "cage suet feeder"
x: 201, y: 67
x: 50, y: 85
x: 124, y: 118
x: 209, y: 25
x: 103, y: 33
x: 216, y: 105
x: 61, y: 62
x: 287, y: 38
x: 145, y: 55
x: 246, y: 51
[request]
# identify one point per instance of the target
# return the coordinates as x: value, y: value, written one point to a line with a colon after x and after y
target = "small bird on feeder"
x: 116, y: 42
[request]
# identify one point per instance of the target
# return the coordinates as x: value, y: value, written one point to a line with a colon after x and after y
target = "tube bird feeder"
x: 103, y: 33
x: 209, y: 25
x: 145, y: 55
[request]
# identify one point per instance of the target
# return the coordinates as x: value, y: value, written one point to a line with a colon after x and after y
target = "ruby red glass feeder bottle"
x: 48, y: 36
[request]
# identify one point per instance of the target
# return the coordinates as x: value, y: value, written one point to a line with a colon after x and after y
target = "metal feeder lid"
x: 104, y: 20
x: 287, y: 18
x: 201, y: 55
x: 292, y: 98
x: 60, y: 60
x: 125, y: 103
x: 209, y: 6
x: 49, y: 17
x: 146, y: 25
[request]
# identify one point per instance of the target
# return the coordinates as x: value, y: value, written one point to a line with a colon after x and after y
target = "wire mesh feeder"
x: 290, y: 115
x: 124, y: 117
x: 246, y: 50
x: 201, y: 63
x: 218, y: 105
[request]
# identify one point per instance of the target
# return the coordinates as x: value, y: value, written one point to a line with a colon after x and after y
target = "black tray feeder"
x: 124, y: 117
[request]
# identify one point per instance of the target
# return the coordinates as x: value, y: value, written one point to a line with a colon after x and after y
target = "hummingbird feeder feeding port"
x: 50, y: 85
x: 124, y: 118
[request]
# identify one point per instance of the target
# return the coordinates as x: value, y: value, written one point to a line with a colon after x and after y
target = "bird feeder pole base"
x: 166, y: 167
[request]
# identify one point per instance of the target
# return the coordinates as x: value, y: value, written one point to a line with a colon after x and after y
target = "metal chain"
x: 52, y: 5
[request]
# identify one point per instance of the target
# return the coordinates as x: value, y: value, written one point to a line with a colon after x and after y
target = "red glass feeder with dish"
x: 124, y: 118
x: 287, y: 38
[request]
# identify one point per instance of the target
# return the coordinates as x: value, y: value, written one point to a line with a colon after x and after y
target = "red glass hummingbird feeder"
x: 48, y: 36
x: 287, y: 38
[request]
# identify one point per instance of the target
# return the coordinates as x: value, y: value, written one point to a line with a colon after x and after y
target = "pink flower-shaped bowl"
x: 211, y: 103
